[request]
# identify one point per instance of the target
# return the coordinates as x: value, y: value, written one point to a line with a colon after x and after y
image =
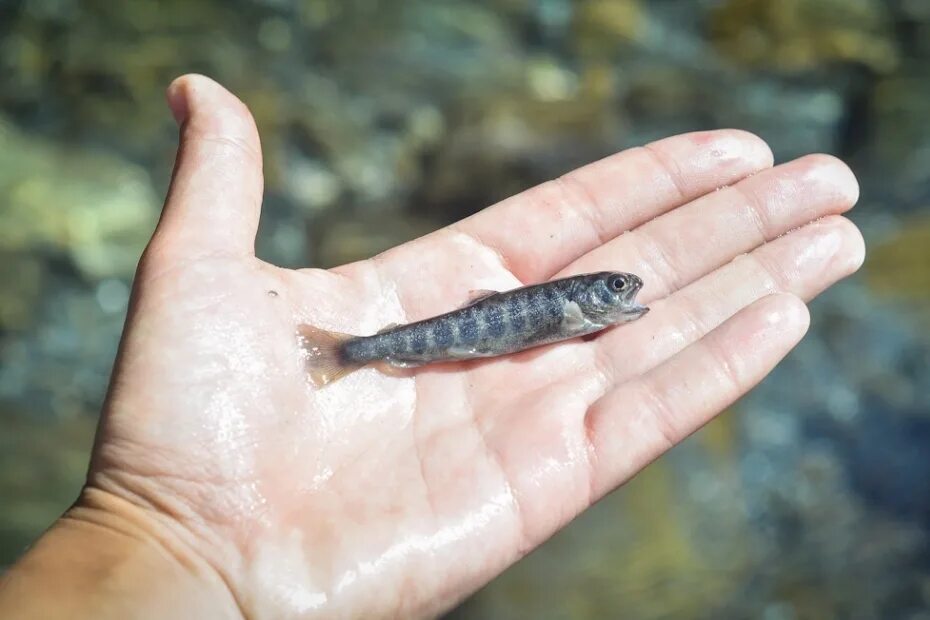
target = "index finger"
x: 541, y: 230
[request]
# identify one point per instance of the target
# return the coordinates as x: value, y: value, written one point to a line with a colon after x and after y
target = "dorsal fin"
x: 477, y: 295
x: 388, y: 327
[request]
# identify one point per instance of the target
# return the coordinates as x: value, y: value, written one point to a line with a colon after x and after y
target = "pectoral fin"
x: 573, y: 319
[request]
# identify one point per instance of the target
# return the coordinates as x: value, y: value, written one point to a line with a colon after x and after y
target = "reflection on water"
x: 808, y: 500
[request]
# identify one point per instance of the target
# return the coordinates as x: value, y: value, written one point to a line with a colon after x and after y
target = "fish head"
x: 609, y: 297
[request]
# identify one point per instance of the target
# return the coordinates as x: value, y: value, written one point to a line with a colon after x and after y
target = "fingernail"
x: 177, y: 100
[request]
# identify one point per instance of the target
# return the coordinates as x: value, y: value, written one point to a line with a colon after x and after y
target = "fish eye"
x: 617, y: 283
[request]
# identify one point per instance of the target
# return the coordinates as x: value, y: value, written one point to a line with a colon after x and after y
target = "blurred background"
x: 384, y: 120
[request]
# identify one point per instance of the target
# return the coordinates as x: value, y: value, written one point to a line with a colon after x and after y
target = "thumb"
x: 215, y: 197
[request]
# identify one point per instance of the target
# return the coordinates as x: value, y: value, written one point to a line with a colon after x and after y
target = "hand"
x: 383, y: 495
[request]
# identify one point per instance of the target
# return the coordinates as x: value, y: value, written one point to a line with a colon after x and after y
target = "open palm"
x: 399, y: 495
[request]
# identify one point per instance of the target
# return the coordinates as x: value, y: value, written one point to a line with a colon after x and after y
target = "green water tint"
x: 78, y: 207
x: 898, y: 268
x: 377, y: 118
x: 42, y: 468
x: 796, y: 35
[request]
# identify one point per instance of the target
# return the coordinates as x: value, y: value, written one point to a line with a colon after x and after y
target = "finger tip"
x: 738, y: 145
x: 831, y: 174
x: 833, y: 246
x: 191, y: 91
x: 203, y: 103
x: 853, y: 247
x: 720, y: 156
x: 177, y: 97
x: 755, y: 149
x: 185, y: 93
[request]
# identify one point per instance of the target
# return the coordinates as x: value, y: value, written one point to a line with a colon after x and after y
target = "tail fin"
x: 323, y: 354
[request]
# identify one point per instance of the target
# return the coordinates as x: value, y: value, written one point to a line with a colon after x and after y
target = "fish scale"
x: 497, y: 323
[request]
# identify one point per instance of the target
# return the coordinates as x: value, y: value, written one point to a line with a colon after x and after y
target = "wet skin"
x: 253, y: 492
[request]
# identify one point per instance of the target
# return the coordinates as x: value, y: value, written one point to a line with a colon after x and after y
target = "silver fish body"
x: 492, y: 324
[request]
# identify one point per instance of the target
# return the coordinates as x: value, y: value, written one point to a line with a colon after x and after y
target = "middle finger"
x: 682, y: 245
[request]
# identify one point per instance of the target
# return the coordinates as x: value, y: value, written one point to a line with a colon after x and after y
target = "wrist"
x: 106, y: 558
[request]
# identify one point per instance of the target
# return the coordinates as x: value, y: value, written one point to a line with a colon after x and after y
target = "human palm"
x: 397, y: 495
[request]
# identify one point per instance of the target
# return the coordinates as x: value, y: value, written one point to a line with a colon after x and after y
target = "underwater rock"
x: 797, y: 35
x: 21, y: 283
x: 95, y: 209
x: 898, y: 267
x: 768, y: 511
x: 901, y: 133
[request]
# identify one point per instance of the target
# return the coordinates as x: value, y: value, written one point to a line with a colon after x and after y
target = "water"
x: 809, y: 499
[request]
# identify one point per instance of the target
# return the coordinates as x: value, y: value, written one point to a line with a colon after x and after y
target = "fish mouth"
x: 636, y: 311
x: 628, y: 312
x: 625, y: 307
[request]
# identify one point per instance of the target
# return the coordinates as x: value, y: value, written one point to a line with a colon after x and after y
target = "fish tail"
x: 323, y: 354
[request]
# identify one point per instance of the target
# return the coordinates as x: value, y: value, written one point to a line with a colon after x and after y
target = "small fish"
x: 491, y: 323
